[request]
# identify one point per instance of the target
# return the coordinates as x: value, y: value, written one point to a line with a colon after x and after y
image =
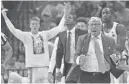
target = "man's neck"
x: 108, y: 25
x: 97, y: 35
x: 34, y: 33
x: 70, y: 27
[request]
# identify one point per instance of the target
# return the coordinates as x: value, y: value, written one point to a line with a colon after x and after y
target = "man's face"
x: 95, y: 27
x: 106, y: 15
x: 81, y: 25
x: 69, y: 20
x: 34, y: 25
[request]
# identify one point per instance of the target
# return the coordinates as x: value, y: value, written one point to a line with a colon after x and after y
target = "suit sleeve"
x: 78, y: 48
x: 60, y: 54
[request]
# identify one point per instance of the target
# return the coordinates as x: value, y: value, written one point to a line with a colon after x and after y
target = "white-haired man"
x: 93, y: 54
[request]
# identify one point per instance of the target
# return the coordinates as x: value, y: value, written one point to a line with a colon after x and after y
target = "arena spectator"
x: 122, y: 14
x: 88, y: 9
x: 81, y: 23
x: 50, y: 46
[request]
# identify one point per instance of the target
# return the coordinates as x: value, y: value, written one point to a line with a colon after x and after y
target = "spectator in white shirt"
x: 36, y: 45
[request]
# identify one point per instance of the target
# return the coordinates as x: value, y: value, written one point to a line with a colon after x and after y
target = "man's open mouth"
x: 35, y: 28
x: 93, y: 31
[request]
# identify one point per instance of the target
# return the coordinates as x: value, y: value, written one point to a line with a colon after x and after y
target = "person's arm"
x: 52, y: 62
x: 61, y: 27
x: 16, y: 32
x: 53, y: 57
x: 98, y: 11
x: 121, y: 37
x: 54, y: 31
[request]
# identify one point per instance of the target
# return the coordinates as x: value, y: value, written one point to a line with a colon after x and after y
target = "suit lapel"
x: 86, y: 44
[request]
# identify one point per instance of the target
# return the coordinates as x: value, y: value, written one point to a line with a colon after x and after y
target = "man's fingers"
x: 58, y: 77
x: 4, y: 10
x: 50, y: 78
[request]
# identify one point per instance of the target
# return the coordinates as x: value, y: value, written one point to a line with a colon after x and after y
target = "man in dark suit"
x: 66, y: 47
x: 93, y: 54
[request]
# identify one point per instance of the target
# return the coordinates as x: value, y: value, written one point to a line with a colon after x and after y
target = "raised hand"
x: 67, y: 9
x: 4, y: 10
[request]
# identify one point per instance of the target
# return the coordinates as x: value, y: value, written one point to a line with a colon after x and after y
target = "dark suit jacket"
x: 62, y: 46
x: 82, y: 48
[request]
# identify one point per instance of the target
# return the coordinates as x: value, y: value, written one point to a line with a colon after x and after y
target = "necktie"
x: 68, y: 50
x: 100, y: 57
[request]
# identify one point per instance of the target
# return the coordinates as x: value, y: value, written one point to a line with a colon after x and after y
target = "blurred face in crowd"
x: 70, y: 21
x: 81, y: 25
x: 106, y: 15
x: 34, y: 25
x: 46, y: 17
x: 95, y: 26
x: 119, y: 5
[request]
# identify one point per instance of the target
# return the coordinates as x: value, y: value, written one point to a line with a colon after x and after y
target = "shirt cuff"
x: 77, y: 60
x: 57, y: 70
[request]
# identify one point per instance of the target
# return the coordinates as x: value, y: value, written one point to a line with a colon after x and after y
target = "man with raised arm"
x: 36, y: 45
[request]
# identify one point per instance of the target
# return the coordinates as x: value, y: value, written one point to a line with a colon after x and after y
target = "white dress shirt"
x: 91, y: 62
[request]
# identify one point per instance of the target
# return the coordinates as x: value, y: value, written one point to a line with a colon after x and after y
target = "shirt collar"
x: 72, y: 31
x: 99, y: 36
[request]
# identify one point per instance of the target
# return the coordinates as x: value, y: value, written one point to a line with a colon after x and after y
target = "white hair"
x: 95, y: 19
